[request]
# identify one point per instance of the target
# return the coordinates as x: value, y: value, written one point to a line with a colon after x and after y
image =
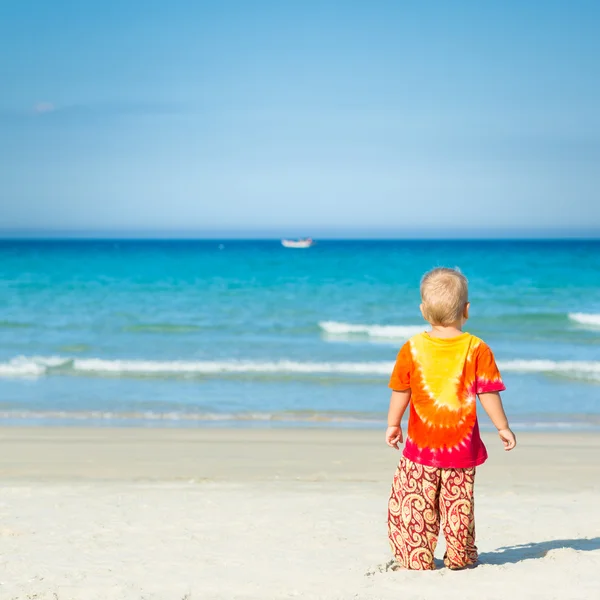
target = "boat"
x: 301, y: 243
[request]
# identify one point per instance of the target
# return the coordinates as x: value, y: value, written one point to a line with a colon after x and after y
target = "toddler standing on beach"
x: 440, y: 373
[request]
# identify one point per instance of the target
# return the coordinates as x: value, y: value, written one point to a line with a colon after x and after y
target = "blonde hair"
x: 444, y: 294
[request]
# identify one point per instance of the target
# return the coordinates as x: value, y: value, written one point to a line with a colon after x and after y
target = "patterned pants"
x: 421, y: 498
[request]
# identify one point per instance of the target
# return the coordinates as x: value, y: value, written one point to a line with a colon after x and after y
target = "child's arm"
x: 492, y: 403
x: 398, y: 403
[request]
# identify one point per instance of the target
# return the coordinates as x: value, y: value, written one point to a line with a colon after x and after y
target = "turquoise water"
x: 253, y: 334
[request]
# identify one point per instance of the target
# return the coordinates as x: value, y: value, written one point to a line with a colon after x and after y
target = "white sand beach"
x: 269, y: 514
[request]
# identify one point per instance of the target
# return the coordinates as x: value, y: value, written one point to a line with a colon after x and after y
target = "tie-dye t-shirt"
x: 444, y: 377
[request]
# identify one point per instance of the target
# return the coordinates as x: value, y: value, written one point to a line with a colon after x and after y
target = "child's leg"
x: 413, y: 517
x: 457, y: 511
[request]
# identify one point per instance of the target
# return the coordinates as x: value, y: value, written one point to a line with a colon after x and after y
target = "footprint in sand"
x: 390, y: 565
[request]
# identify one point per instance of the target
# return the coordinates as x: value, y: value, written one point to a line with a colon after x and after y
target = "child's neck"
x: 446, y: 331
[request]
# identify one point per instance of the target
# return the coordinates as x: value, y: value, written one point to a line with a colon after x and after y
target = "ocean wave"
x: 39, y: 366
x: 542, y: 366
x: 395, y: 332
x: 585, y: 319
x: 225, y: 367
x: 32, y: 366
x: 569, y: 368
x: 174, y: 416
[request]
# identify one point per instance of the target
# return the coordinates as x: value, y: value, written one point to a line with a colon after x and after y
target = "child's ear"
x: 466, y: 311
x: 422, y: 309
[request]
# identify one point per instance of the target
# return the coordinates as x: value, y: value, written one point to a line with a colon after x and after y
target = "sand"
x: 269, y: 514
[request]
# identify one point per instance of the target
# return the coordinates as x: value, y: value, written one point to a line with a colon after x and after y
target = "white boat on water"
x: 302, y: 243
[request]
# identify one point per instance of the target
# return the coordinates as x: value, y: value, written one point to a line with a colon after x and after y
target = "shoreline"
x: 574, y: 423
x: 272, y: 455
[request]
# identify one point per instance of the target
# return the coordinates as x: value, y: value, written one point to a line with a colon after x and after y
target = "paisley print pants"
x: 422, y: 498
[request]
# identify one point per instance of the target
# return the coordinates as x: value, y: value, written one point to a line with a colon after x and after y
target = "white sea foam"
x: 283, y: 416
x: 38, y: 366
x: 573, y: 368
x: 313, y: 417
x: 542, y: 366
x: 396, y: 332
x: 216, y: 367
x: 33, y: 366
x: 12, y: 369
x: 585, y: 319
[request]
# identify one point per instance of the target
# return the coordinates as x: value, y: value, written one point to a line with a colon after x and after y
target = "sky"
x: 300, y: 117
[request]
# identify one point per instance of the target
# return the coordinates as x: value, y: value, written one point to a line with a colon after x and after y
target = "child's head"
x: 444, y: 296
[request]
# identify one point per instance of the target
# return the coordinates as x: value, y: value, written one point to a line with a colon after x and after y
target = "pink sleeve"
x: 487, y: 374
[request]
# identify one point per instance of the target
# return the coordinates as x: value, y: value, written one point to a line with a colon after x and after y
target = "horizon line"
x: 525, y: 238
x: 318, y: 233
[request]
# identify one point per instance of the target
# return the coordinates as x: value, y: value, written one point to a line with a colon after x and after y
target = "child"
x: 440, y: 373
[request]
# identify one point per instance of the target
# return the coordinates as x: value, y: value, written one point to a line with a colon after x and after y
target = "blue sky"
x: 300, y: 117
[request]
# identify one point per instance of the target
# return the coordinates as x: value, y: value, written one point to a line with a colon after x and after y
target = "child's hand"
x: 393, y: 437
x: 508, y: 438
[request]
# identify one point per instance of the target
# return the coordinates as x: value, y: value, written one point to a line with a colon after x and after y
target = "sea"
x: 224, y: 333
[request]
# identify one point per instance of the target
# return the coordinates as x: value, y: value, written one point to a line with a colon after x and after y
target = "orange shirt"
x: 444, y: 377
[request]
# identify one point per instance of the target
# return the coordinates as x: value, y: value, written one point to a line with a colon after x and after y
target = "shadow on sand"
x: 515, y: 554
x: 509, y: 554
